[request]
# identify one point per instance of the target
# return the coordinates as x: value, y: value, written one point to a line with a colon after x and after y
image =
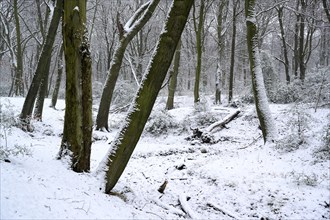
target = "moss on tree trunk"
x: 124, y: 144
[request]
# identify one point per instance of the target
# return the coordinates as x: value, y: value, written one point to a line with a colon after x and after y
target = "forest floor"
x: 238, y: 177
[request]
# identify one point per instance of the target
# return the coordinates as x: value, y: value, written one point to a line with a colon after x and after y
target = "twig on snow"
x: 186, y: 208
x: 168, y: 207
x: 253, y: 142
x: 225, y: 212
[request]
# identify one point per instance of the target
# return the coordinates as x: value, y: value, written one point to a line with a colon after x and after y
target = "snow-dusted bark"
x: 265, y: 118
x: 123, y: 146
x: 126, y: 34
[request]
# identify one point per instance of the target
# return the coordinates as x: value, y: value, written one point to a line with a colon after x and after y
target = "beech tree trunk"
x: 265, y: 118
x: 123, y: 146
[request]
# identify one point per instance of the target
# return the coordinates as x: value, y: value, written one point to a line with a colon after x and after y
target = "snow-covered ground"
x: 236, y: 178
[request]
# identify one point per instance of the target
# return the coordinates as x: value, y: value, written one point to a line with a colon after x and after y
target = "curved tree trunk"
x: 259, y: 91
x: 174, y: 77
x: 123, y: 146
x: 126, y: 34
x: 42, y: 66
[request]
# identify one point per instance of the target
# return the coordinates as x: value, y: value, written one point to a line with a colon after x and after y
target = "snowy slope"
x: 238, y: 177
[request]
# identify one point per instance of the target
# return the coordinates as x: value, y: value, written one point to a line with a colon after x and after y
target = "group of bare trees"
x: 208, y: 42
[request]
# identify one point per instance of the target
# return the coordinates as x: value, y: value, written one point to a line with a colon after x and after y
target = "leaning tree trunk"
x: 42, y: 65
x: 174, y: 77
x: 259, y: 91
x: 41, y: 95
x: 126, y: 140
x: 76, y: 141
x: 126, y: 34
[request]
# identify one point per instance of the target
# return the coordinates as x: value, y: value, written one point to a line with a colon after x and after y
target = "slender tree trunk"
x: 59, y: 78
x: 199, y: 49
x: 42, y: 66
x: 296, y: 43
x: 41, y: 94
x: 285, y: 50
x: 259, y: 91
x: 126, y: 140
x: 221, y: 21
x: 301, y: 51
x: 218, y: 85
x: 232, y: 57
x: 18, y: 84
x: 174, y: 76
x: 109, y: 87
x: 326, y: 8
x: 76, y: 141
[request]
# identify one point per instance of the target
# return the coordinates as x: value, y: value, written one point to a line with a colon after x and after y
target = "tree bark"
x: 174, y: 76
x: 41, y: 94
x: 232, y: 57
x: 18, y: 83
x: 109, y: 86
x: 198, y: 31
x: 126, y: 140
x: 259, y: 91
x: 59, y: 78
x: 285, y: 50
x: 76, y: 141
x: 42, y: 65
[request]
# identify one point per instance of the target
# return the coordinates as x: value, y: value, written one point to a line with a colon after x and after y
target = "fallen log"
x: 219, y: 125
x: 206, y: 135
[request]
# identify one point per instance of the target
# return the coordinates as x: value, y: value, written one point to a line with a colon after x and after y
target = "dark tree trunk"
x: 42, y: 66
x: 198, y: 31
x: 41, y: 94
x: 76, y: 141
x: 174, y: 76
x: 18, y: 82
x: 59, y: 78
x: 232, y: 57
x: 123, y: 146
x: 109, y: 87
x: 285, y: 50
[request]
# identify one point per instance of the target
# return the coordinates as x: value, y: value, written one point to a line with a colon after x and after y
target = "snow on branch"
x: 136, y: 15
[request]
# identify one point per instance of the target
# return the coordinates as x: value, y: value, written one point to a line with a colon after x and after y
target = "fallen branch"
x: 186, y: 208
x: 205, y: 135
x: 253, y: 142
x: 225, y: 212
x: 168, y: 207
x: 222, y: 124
